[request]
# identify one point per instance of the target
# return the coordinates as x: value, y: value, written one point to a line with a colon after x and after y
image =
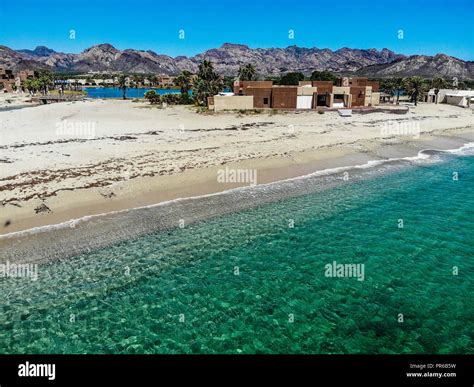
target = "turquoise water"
x: 249, y: 283
x: 114, y: 92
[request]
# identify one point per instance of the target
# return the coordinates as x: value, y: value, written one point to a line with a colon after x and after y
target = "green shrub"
x: 153, y: 97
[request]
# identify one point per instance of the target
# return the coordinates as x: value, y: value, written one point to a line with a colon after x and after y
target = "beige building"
x: 165, y: 81
x: 220, y: 103
x: 348, y: 93
x: 462, y: 98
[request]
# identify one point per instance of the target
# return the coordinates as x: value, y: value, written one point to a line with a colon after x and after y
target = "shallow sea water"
x: 248, y: 283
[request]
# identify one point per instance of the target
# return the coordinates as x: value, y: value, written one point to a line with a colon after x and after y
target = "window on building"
x: 265, y: 101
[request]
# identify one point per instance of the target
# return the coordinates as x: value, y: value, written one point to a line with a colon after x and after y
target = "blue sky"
x: 429, y: 27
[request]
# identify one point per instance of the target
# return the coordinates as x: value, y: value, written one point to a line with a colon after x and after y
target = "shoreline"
x: 346, y: 161
x: 92, y: 233
x: 107, y: 174
x: 144, y: 192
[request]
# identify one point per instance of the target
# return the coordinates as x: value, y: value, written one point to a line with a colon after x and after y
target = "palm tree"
x: 184, y: 81
x: 438, y: 83
x: 122, y: 84
x: 398, y: 84
x: 388, y: 86
x: 247, y: 73
x: 45, y: 80
x: 206, y: 70
x: 32, y: 85
x: 415, y: 88
x: 207, y: 83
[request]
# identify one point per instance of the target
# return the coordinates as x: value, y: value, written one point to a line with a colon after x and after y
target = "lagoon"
x: 115, y: 92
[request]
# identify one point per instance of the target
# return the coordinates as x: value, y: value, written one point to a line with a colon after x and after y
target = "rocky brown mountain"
x: 229, y: 57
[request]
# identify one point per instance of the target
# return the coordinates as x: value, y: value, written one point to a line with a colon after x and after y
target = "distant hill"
x: 425, y: 66
x: 228, y: 58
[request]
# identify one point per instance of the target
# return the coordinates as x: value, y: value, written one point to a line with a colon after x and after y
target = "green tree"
x: 207, y: 83
x: 32, y: 85
x: 122, y: 84
x: 247, y: 73
x: 398, y: 85
x: 153, y: 97
x: 206, y: 70
x: 45, y: 80
x: 415, y: 88
x: 292, y: 78
x: 152, y: 79
x: 437, y: 84
x: 323, y: 76
x: 388, y: 86
x: 184, y: 81
x: 462, y: 86
x: 228, y: 82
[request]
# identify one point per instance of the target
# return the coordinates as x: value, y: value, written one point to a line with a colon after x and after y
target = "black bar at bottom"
x: 321, y: 370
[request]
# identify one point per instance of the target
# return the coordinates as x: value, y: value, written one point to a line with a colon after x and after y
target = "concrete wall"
x: 375, y: 99
x: 346, y: 100
x: 368, y: 96
x: 304, y: 102
x: 458, y: 100
x: 262, y: 97
x: 242, y: 86
x: 307, y: 90
x: 284, y: 97
x: 358, y: 95
x: 234, y: 102
x: 442, y: 95
x: 375, y: 86
x: 323, y: 85
x: 341, y: 90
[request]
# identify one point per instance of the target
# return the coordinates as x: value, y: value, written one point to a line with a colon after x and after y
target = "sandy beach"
x: 68, y: 160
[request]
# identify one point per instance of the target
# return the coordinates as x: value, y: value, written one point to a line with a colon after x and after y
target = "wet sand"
x: 48, y: 178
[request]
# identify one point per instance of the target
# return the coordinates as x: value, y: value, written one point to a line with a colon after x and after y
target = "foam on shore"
x: 76, y: 236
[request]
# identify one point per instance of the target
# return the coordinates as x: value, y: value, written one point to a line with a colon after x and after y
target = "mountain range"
x: 229, y: 57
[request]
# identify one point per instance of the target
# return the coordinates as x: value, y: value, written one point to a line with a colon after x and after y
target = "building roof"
x: 460, y: 93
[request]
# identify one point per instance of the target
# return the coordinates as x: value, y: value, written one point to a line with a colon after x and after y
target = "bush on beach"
x: 169, y: 99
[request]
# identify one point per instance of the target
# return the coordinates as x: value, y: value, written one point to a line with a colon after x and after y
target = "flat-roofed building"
x: 262, y: 96
x: 341, y: 97
x: 464, y: 98
x: 349, y: 92
x: 241, y: 86
x: 358, y: 96
x: 165, y: 80
x: 7, y: 79
x: 230, y: 102
x: 23, y: 75
x: 284, y: 97
x: 306, y: 96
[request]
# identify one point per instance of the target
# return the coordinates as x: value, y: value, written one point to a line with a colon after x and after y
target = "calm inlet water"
x: 114, y: 92
x: 248, y: 283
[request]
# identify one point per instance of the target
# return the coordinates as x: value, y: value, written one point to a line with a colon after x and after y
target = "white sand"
x: 119, y: 150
